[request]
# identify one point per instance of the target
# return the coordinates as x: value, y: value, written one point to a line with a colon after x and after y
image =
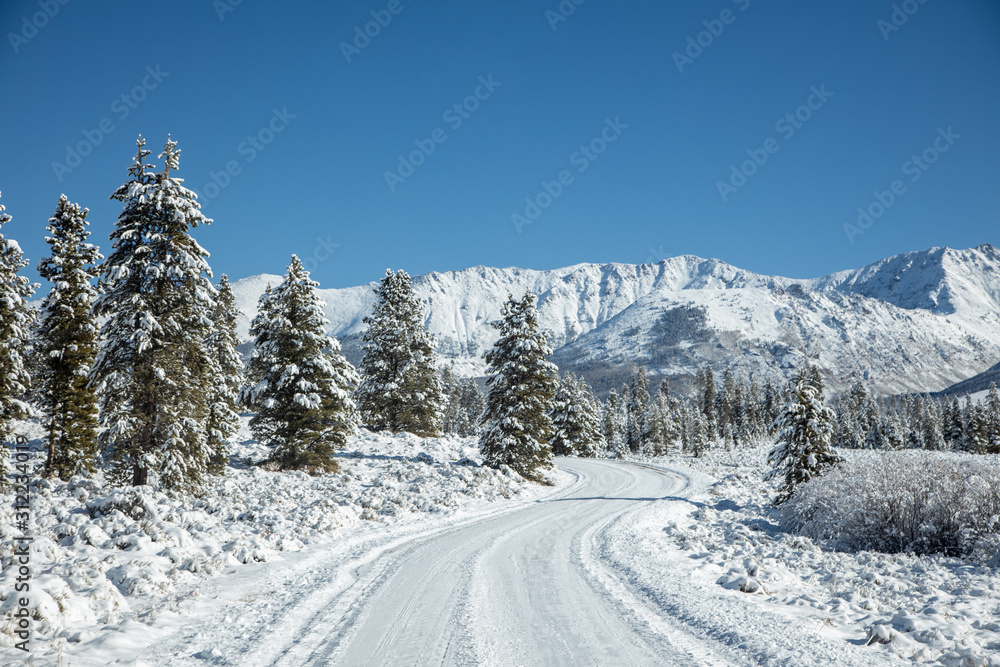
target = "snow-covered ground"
x: 109, y: 563
x: 413, y: 553
x: 929, y: 609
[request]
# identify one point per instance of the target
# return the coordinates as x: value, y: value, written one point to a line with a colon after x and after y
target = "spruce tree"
x: 566, y: 426
x: 299, y: 382
x: 638, y: 434
x: 993, y: 420
x: 613, y: 427
x: 152, y: 368
x: 575, y: 420
x: 803, y: 449
x: 400, y: 389
x: 16, y: 318
x: 522, y: 382
x: 67, y: 344
x: 225, y: 378
x: 470, y: 408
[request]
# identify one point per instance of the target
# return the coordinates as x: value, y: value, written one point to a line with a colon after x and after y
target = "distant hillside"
x: 920, y: 321
x: 974, y: 384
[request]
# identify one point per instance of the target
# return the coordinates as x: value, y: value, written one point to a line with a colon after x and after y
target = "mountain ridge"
x: 918, y: 321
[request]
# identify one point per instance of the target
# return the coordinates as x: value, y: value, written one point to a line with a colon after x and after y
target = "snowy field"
x: 924, y: 609
x: 667, y: 561
x: 112, y: 567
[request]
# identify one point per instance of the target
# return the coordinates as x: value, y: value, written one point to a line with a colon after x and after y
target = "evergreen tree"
x: 67, y: 344
x: 613, y: 428
x: 470, y: 408
x: 152, y: 368
x: 299, y: 382
x: 225, y: 378
x: 638, y: 433
x: 591, y: 442
x: 802, y: 450
x: 575, y: 420
x: 516, y: 423
x: 992, y: 418
x: 16, y: 318
x: 566, y: 425
x: 400, y: 389
x: 708, y: 402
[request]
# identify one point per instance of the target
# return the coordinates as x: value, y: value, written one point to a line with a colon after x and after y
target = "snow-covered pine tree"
x: 708, y: 402
x: 613, y: 428
x: 522, y: 382
x: 591, y: 443
x: 400, y: 389
x: 225, y: 378
x: 299, y: 382
x: 803, y: 449
x: 152, y: 368
x: 66, y: 344
x: 470, y: 408
x: 993, y: 420
x: 565, y: 416
x: 16, y: 318
x: 638, y: 434
x: 451, y: 389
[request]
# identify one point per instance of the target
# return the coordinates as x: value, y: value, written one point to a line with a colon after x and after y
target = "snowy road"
x: 519, y: 585
x: 519, y: 588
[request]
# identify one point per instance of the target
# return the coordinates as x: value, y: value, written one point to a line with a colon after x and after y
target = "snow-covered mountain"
x: 919, y: 321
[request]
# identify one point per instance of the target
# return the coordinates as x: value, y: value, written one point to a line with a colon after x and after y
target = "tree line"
x: 132, y: 364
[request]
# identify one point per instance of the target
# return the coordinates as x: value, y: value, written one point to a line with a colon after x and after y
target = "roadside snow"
x: 105, y: 558
x: 928, y: 609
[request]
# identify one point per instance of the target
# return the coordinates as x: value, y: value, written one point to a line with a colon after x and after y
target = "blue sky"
x: 620, y: 143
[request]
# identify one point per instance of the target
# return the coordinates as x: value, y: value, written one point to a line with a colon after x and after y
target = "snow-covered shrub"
x: 903, y: 502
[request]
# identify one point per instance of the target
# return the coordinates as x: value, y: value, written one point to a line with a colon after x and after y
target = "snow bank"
x: 103, y: 556
x: 925, y: 608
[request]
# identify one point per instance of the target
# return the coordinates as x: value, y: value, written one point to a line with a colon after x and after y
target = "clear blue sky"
x: 653, y: 192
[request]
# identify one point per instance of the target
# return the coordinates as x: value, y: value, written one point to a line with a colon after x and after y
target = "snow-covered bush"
x: 903, y: 502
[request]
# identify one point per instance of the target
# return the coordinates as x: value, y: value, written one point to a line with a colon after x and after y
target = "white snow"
x: 920, y: 321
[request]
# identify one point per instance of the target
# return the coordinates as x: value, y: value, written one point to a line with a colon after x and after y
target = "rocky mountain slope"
x: 919, y: 321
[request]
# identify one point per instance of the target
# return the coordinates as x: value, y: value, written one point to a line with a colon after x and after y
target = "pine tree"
x: 613, y: 428
x: 708, y: 403
x: 67, y: 344
x: 152, y: 367
x: 565, y: 419
x: 470, y: 408
x: 802, y: 450
x: 299, y: 382
x: 16, y: 318
x: 516, y: 423
x: 225, y: 378
x: 591, y: 442
x: 575, y: 420
x: 400, y: 389
x: 992, y: 418
x: 638, y: 434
